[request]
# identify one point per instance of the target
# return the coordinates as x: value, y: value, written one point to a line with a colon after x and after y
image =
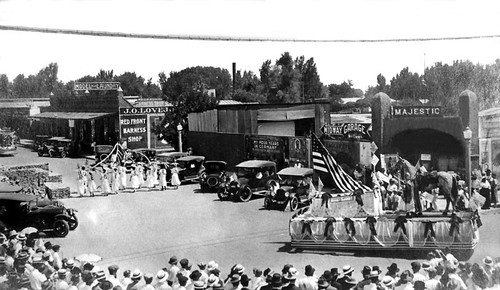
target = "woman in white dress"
x: 140, y: 171
x: 163, y: 177
x: 134, y: 179
x: 106, y: 188
x: 154, y: 167
x: 150, y: 178
x: 115, y: 180
x: 175, y: 181
x: 82, y: 180
x: 91, y: 183
x: 123, y: 177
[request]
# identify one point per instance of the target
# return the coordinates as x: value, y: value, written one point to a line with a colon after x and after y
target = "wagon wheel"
x: 294, y: 203
x: 245, y: 194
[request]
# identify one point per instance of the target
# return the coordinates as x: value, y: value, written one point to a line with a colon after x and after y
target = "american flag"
x: 324, y: 162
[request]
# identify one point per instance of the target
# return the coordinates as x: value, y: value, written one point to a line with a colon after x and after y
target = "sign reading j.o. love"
x: 415, y: 112
x: 348, y: 130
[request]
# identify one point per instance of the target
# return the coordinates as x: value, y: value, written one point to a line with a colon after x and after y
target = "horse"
x: 447, y: 184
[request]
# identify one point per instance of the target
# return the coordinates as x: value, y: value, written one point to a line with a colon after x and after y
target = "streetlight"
x: 179, y: 129
x: 468, y: 169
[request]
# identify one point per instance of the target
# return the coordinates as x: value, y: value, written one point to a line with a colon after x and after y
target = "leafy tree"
x: 4, y: 86
x: 407, y: 85
x: 132, y: 85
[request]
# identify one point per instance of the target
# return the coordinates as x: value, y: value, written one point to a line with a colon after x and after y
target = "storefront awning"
x: 71, y: 115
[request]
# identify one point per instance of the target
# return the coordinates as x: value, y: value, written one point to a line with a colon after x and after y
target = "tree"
x: 4, y: 86
x: 407, y: 86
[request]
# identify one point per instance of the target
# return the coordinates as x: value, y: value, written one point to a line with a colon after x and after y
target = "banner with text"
x: 133, y: 129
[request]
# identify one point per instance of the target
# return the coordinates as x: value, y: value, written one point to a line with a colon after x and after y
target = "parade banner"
x: 133, y: 128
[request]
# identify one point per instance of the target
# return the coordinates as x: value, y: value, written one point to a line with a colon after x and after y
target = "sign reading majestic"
x: 347, y: 130
x: 96, y: 86
x: 414, y: 112
x: 143, y: 110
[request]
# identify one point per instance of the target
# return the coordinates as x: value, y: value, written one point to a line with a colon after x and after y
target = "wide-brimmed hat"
x: 347, y: 270
x: 373, y: 274
x: 238, y: 268
x: 70, y: 263
x: 393, y: 268
x: 137, y: 274
x: 323, y: 283
x: 199, y: 285
x: 276, y: 281
x: 291, y: 274
x: 162, y: 276
x: 184, y: 263
x: 212, y: 265
x: 235, y: 278
x: 488, y: 261
x: 388, y: 281
x: 309, y: 270
x: 212, y: 280
x: 21, y: 237
x: 172, y: 260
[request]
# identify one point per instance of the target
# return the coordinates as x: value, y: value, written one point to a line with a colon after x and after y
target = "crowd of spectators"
x: 30, y: 262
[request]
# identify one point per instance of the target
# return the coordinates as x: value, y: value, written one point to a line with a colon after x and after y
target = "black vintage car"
x: 293, y: 189
x: 190, y: 167
x: 56, y: 147
x: 19, y: 211
x: 251, y: 177
x: 214, y: 175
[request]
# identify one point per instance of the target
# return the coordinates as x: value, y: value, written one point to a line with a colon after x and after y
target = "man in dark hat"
x: 234, y: 282
x: 277, y: 282
x: 185, y: 267
x: 113, y: 270
x: 392, y: 270
x: 245, y: 282
x: 417, y: 275
x: 310, y: 282
x: 366, y: 277
x: 172, y: 269
x: 195, y: 276
x: 335, y: 275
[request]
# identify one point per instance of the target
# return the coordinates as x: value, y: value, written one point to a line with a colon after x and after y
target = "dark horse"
x: 447, y: 184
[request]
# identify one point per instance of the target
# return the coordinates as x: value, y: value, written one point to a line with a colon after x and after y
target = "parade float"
x: 354, y: 221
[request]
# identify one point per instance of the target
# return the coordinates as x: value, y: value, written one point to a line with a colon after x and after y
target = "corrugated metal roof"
x: 229, y: 102
x: 23, y: 103
x: 71, y: 115
x: 152, y: 103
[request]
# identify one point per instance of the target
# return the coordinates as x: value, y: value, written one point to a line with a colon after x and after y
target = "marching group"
x: 29, y: 262
x: 115, y: 177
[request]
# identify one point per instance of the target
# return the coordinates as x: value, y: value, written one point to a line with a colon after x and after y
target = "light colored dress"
x: 155, y: 174
x: 140, y: 171
x: 150, y: 182
x: 92, y: 185
x: 82, y: 181
x: 175, y: 181
x: 134, y: 180
x: 123, y: 176
x: 106, y: 188
x: 163, y: 178
x: 115, y: 181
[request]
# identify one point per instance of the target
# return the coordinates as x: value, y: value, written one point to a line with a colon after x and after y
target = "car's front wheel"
x: 61, y: 228
x: 212, y: 181
x: 245, y: 194
x: 223, y: 194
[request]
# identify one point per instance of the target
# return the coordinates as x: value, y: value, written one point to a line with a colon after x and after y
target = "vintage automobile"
x: 56, y: 147
x: 170, y: 157
x: 214, y: 174
x: 293, y: 189
x: 190, y: 167
x: 251, y: 177
x: 8, y: 142
x: 152, y: 153
x: 19, y: 211
x: 39, y: 140
x: 102, y: 151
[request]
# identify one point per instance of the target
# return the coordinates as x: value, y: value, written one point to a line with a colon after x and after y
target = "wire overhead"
x: 227, y: 38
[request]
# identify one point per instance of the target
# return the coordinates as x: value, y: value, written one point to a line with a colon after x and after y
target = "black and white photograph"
x: 249, y: 144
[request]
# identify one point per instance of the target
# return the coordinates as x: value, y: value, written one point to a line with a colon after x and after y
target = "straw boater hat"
x: 212, y: 265
x: 291, y: 274
x: 162, y: 276
x: 347, y: 270
x: 136, y: 275
x: 212, y: 280
x: 388, y: 281
x: 488, y: 261
x: 239, y: 269
x: 199, y: 285
x: 373, y: 274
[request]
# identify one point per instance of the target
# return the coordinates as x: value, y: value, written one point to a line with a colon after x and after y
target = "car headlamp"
x: 287, y: 194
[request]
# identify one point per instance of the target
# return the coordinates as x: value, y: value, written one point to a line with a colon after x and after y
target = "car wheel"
x: 245, y: 194
x: 73, y: 223
x: 63, y: 154
x: 223, y: 194
x: 40, y: 153
x: 268, y: 203
x: 51, y: 153
x: 61, y: 228
x: 294, y: 203
x: 212, y: 181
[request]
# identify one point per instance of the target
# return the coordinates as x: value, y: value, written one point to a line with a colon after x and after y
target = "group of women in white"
x: 113, y: 178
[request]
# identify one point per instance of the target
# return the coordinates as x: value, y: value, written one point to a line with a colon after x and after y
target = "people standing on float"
x: 134, y: 179
x: 115, y: 180
x: 106, y: 188
x: 122, y: 171
x: 92, y: 184
x: 163, y: 177
x: 175, y: 181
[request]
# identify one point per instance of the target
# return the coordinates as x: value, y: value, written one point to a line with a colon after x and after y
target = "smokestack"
x: 234, y: 77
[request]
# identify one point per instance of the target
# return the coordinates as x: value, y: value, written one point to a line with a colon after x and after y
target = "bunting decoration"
x: 455, y: 221
x: 429, y: 230
x: 349, y: 227
x: 400, y: 224
x: 329, y: 224
x: 306, y: 228
x: 371, y: 221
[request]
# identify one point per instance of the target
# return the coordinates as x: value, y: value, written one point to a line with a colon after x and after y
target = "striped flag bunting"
x: 323, y: 161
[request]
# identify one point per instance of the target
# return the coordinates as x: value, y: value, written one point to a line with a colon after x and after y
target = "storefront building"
x: 489, y: 139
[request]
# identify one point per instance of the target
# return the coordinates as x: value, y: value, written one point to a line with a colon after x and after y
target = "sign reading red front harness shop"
x: 133, y: 128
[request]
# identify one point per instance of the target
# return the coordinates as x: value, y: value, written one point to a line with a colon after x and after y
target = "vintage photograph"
x: 249, y: 144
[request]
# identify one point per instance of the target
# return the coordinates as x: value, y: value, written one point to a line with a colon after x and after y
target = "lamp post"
x: 179, y: 129
x: 468, y: 169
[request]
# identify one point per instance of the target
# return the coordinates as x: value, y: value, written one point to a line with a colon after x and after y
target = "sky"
x: 28, y: 52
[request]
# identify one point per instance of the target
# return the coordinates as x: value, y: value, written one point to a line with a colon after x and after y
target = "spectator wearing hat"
x: 148, y: 280
x: 245, y: 282
x: 60, y: 281
x: 233, y: 283
x: 290, y: 279
x: 388, y: 282
x: 185, y: 268
x: 310, y: 282
x: 488, y: 265
x: 417, y: 275
x: 323, y: 283
x: 211, y: 266
x: 405, y: 281
x: 182, y: 282
x: 276, y: 281
x: 347, y: 274
x: 161, y: 281
x: 172, y: 270
x: 112, y: 277
x: 366, y: 277
x: 349, y: 283
x: 199, y: 285
x: 36, y: 277
x: 136, y: 280
x: 374, y: 282
x: 333, y: 282
x: 327, y: 276
x: 57, y: 263
x: 193, y: 277
x: 74, y: 282
x: 393, y: 271
x: 204, y: 273
x: 258, y: 280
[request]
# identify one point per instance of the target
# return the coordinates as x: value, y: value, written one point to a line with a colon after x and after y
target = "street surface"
x: 144, y: 229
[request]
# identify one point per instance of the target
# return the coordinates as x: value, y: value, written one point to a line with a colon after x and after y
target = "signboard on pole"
x: 96, y: 86
x: 133, y: 128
